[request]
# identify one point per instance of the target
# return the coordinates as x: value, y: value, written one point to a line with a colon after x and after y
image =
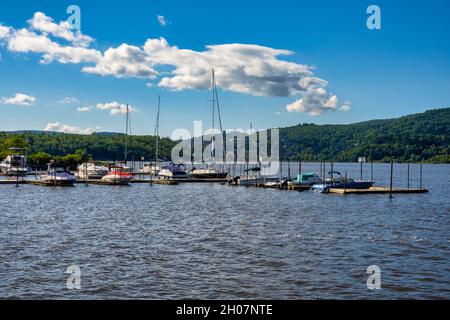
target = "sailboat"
x: 210, y: 172
x: 121, y: 174
x: 153, y: 168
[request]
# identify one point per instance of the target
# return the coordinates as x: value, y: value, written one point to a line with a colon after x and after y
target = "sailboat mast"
x: 126, y: 134
x: 157, y: 131
x: 213, y: 84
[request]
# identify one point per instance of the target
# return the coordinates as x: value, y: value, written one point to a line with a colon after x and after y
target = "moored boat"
x: 15, y: 164
x: 91, y: 171
x: 341, y: 183
x: 254, y: 178
x: 207, y: 173
x: 150, y: 168
x: 307, y: 179
x: 173, y: 171
x: 58, y: 175
x: 117, y: 175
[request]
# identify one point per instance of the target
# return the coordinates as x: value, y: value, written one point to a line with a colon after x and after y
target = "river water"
x: 221, y: 242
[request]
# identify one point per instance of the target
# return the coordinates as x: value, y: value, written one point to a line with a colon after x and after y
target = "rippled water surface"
x: 215, y: 241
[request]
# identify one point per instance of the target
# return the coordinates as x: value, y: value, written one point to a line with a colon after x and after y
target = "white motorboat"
x: 173, y: 171
x: 58, y: 175
x: 91, y: 171
x: 254, y: 178
x: 150, y: 168
x: 14, y: 165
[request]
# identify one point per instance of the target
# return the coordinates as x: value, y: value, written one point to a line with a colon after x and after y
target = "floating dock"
x: 100, y: 182
x: 375, y: 190
x: 297, y: 187
x: 13, y: 182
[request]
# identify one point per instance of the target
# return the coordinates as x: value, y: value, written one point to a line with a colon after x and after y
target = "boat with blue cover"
x: 173, y: 171
x: 340, y: 182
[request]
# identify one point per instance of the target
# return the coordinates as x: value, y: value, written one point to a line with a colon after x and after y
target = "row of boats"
x: 121, y: 174
x: 308, y: 180
x: 16, y: 166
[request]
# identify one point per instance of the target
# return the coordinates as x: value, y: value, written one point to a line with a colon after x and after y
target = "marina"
x: 252, y: 178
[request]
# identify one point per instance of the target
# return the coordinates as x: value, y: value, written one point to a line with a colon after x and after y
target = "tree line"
x: 423, y: 137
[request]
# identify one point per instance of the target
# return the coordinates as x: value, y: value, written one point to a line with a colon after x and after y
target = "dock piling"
x: 371, y: 171
x: 289, y: 169
x: 407, y: 176
x: 420, y: 180
x: 390, y: 183
x: 361, y: 170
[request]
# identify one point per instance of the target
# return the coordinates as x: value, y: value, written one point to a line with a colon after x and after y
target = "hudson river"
x: 221, y: 242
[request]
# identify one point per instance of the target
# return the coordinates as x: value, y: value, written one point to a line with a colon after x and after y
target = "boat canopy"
x: 307, y: 177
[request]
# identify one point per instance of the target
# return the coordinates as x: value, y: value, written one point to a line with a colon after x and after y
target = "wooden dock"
x: 297, y: 187
x: 375, y: 190
x: 165, y: 181
x: 46, y: 183
x: 13, y: 182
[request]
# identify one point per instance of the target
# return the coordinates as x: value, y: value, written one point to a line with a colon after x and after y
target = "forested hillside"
x: 414, y: 138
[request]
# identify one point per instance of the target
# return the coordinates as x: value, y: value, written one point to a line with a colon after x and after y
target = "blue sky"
x: 401, y: 69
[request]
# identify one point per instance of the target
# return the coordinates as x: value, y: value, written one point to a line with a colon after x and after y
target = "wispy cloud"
x: 115, y: 108
x: 161, y: 20
x: 84, y: 109
x: 68, y: 100
x: 20, y: 99
x: 60, y: 127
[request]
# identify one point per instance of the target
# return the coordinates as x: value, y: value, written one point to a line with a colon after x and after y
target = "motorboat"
x: 118, y: 175
x: 254, y: 178
x: 307, y: 179
x: 277, y: 183
x: 150, y: 168
x: 14, y: 165
x: 173, y: 171
x: 207, y: 173
x: 91, y: 171
x: 340, y: 182
x: 58, y: 175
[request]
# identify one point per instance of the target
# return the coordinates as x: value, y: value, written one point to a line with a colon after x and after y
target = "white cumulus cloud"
x: 20, y: 99
x: 4, y: 32
x: 60, y: 127
x: 124, y: 61
x: 115, y: 108
x: 25, y: 41
x: 243, y: 68
x: 346, y: 106
x: 41, y: 22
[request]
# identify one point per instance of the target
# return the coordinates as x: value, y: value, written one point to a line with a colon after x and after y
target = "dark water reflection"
x: 214, y: 241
